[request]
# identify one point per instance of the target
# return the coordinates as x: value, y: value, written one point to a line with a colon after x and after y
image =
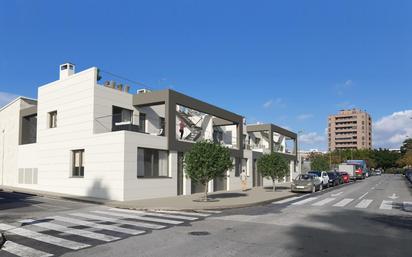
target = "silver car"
x: 306, y: 183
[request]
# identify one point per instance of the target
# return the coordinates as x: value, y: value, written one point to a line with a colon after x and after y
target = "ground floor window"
x: 152, y: 163
x: 78, y: 163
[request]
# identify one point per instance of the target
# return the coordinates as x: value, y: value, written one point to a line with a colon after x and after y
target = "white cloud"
x: 390, y: 131
x: 304, y: 116
x: 342, y: 88
x: 6, y: 98
x: 277, y: 102
x: 312, y: 138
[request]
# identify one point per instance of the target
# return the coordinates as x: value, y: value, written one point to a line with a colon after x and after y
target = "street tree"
x: 207, y: 161
x: 273, y: 166
x: 406, y: 159
x: 320, y: 162
x: 406, y: 146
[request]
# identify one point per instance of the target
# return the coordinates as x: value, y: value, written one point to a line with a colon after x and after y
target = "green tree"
x: 273, y: 166
x: 406, y: 159
x: 385, y: 158
x: 320, y: 162
x: 406, y: 146
x: 207, y: 161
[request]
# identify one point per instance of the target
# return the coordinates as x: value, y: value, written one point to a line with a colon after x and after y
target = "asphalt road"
x: 367, y: 218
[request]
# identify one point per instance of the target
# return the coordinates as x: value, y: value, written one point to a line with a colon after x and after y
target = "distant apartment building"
x: 349, y: 129
x: 83, y: 138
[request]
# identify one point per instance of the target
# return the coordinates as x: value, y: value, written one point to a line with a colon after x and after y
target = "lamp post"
x: 298, y: 151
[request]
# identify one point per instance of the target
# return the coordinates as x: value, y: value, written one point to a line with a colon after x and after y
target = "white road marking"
x: 116, y: 220
x: 99, y: 226
x: 362, y: 196
x: 386, y: 205
x: 139, y: 217
x: 22, y: 250
x: 337, y: 194
x: 324, y: 201
x: 288, y: 199
x: 364, y: 203
x: 307, y: 200
x: 143, y: 213
x: 210, y: 211
x: 186, y: 213
x: 407, y: 206
x: 393, y: 196
x: 372, y: 188
x: 43, y: 237
x: 73, y: 231
x: 343, y: 202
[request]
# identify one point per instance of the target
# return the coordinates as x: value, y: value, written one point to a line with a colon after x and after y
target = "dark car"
x: 334, y: 178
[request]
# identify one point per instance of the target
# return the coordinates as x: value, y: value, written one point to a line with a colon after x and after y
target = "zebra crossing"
x: 78, y: 230
x: 345, y: 202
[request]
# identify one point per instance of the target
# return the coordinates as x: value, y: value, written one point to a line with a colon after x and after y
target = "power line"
x: 126, y: 79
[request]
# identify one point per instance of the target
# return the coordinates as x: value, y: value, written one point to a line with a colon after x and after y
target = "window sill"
x: 76, y: 177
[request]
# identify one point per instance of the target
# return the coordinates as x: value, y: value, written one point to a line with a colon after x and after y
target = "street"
x: 372, y: 217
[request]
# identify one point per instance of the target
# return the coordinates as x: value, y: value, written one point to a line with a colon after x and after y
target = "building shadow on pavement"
x: 350, y: 233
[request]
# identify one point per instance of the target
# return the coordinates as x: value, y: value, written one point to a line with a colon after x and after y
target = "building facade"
x: 350, y: 129
x: 86, y: 139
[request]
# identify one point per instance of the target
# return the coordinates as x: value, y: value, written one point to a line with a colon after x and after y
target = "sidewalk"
x: 218, y: 200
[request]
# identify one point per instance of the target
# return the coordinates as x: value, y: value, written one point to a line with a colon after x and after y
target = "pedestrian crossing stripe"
x: 43, y: 237
x: 122, y: 214
x: 185, y: 213
x: 22, y: 250
x: 171, y: 216
x: 324, y: 201
x: 364, y: 203
x: 307, y: 200
x: 73, y: 231
x: 343, y: 202
x: 287, y: 200
x: 386, y: 205
x: 119, y: 221
x: 99, y: 226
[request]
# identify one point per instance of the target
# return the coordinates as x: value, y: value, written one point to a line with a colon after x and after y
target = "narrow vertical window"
x: 142, y: 122
x: 78, y: 163
x: 52, y: 119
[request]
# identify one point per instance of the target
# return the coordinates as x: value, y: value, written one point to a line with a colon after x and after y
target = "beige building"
x: 349, y: 129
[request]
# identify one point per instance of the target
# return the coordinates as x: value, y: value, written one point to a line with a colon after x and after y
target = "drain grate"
x: 199, y: 233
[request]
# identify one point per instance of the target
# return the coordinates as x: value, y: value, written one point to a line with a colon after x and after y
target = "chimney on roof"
x: 66, y: 70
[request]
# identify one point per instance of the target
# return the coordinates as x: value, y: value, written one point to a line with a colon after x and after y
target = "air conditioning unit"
x: 143, y: 90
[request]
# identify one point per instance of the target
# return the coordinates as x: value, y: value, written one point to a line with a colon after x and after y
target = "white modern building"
x: 86, y: 139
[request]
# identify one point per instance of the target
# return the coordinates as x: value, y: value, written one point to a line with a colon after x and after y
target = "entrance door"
x: 180, y: 173
x: 197, y: 188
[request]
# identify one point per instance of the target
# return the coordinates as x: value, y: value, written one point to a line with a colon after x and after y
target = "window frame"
x: 52, y: 123
x: 73, y: 164
x: 152, y: 157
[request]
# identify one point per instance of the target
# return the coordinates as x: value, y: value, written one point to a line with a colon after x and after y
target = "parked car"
x: 323, y: 175
x: 334, y: 179
x: 378, y: 172
x: 345, y: 177
x: 408, y: 174
x: 306, y: 183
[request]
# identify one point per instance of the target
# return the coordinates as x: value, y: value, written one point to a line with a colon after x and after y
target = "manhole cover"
x: 199, y: 233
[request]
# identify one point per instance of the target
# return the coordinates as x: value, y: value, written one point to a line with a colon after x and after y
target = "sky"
x: 291, y: 63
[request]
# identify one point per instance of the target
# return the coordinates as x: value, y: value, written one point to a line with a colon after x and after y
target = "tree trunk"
x: 274, y: 188
x: 206, y: 189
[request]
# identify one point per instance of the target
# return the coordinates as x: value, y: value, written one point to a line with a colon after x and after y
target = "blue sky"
x: 287, y: 62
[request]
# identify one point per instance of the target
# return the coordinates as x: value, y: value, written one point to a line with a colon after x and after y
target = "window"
x: 142, y: 122
x: 52, y: 119
x: 78, y: 163
x: 162, y: 122
x: 152, y: 163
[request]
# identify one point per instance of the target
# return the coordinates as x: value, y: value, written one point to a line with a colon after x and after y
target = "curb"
x: 121, y: 206
x: 227, y: 207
